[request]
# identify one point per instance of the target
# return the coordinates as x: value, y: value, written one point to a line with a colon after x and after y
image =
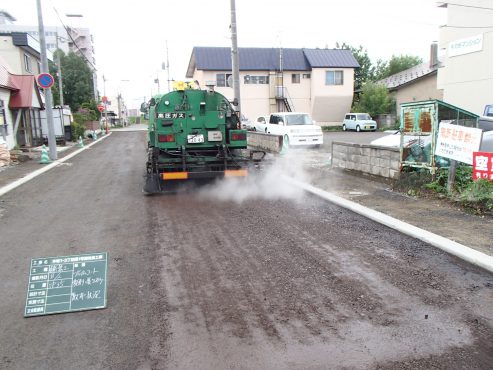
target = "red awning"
x: 23, y: 98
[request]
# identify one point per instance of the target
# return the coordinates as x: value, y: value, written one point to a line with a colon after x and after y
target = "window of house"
x: 256, y: 80
x: 224, y: 79
x: 28, y: 63
x: 3, y: 120
x: 306, y: 75
x: 295, y: 78
x: 334, y: 77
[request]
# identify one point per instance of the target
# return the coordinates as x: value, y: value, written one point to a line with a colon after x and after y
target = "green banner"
x: 66, y: 284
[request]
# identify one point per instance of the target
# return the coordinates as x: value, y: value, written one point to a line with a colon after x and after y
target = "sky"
x: 130, y: 37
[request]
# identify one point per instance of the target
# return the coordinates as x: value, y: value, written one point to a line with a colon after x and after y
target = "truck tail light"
x: 235, y: 136
x: 167, y: 138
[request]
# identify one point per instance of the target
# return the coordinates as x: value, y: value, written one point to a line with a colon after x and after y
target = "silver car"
x: 358, y: 122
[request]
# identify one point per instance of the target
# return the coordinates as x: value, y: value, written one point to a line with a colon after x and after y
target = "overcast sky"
x: 130, y: 37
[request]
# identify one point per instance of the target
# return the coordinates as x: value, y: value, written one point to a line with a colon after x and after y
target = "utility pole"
x: 234, y: 59
x: 119, y: 99
x: 48, y: 95
x: 59, y: 67
x: 105, y: 106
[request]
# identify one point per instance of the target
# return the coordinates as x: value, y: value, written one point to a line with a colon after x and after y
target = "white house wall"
x: 466, y: 79
x: 331, y: 102
x: 5, y: 96
x: 327, y: 104
x: 14, y: 56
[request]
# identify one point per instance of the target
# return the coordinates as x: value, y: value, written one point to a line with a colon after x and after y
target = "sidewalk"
x: 17, y: 171
x: 434, y: 215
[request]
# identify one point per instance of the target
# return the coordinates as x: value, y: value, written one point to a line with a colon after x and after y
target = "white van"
x: 296, y: 128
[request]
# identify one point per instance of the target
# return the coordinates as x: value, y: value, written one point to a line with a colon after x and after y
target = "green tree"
x: 55, y: 89
x: 77, y: 81
x: 364, y: 72
x: 374, y: 99
x: 395, y: 65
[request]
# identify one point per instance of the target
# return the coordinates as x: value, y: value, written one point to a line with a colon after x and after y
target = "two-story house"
x: 316, y: 81
x: 20, y: 63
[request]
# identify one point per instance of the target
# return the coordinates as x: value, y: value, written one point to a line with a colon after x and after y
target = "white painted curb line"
x: 5, y: 189
x: 459, y: 250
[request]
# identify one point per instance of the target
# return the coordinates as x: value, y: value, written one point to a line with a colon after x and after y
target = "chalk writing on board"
x: 66, y: 284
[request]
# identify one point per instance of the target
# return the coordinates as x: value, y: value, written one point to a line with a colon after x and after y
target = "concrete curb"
x: 5, y: 189
x: 459, y: 250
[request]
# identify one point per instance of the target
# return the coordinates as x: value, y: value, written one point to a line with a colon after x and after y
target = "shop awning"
x: 27, y: 95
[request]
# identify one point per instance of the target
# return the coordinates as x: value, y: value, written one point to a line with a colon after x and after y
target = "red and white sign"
x: 482, y: 166
x: 458, y: 142
x: 100, y: 107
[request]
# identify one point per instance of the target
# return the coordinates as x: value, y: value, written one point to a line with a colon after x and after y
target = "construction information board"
x: 66, y: 284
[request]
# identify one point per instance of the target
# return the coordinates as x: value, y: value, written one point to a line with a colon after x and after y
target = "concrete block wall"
x: 369, y: 159
x: 267, y: 142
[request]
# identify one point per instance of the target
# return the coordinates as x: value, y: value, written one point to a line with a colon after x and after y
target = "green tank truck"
x: 194, y: 134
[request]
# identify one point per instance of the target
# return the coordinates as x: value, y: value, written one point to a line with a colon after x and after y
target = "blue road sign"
x: 45, y: 80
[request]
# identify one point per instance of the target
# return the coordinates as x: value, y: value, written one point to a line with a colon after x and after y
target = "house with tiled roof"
x: 316, y: 81
x: 417, y: 83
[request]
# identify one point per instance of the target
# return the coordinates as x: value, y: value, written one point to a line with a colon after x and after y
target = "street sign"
x: 104, y: 99
x: 100, y: 107
x: 66, y: 284
x: 45, y: 80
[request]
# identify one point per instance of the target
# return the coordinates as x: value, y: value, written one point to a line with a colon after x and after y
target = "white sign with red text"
x: 458, y: 142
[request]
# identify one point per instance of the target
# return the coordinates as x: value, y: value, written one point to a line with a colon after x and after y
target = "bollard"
x: 45, y: 159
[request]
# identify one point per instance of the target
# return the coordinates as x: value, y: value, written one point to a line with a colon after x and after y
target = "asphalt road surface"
x: 230, y: 278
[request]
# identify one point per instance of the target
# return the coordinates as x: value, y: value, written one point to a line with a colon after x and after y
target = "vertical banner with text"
x: 482, y: 166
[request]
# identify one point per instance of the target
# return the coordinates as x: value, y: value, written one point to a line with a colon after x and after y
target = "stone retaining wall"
x: 369, y: 159
x: 268, y: 142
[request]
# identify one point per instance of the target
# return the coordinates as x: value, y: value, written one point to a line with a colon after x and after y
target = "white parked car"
x: 296, y: 128
x: 246, y: 124
x: 260, y: 124
x: 358, y: 122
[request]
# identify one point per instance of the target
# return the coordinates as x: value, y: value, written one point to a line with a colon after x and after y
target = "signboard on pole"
x: 458, y: 142
x: 45, y: 80
x: 66, y: 284
x: 482, y: 166
x: 100, y: 107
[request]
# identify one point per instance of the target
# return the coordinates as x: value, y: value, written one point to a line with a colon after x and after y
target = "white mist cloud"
x: 268, y: 183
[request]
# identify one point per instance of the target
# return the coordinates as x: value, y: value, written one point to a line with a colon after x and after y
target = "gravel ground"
x: 203, y: 280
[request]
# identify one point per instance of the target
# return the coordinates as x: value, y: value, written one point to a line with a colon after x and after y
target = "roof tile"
x: 269, y: 59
